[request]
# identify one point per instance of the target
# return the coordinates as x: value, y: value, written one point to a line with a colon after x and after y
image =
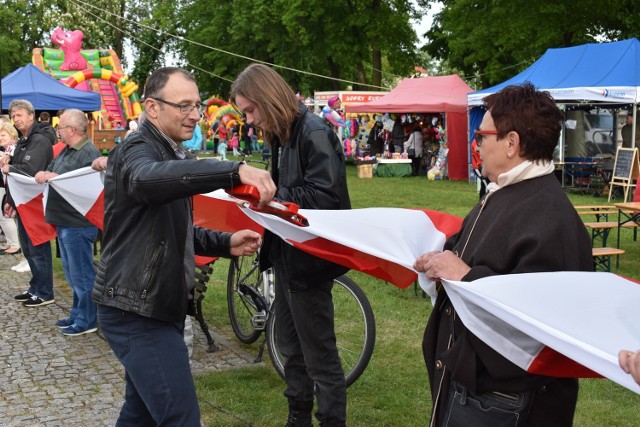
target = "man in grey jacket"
x: 76, y: 235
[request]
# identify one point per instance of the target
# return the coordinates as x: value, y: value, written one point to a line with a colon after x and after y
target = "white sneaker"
x: 25, y: 269
x: 22, y: 267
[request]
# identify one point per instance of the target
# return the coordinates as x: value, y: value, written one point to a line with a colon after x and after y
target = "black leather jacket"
x: 309, y: 171
x: 32, y: 154
x: 148, y: 213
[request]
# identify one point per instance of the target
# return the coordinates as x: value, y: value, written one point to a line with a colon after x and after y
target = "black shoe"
x: 299, y: 419
x: 26, y: 295
x: 37, y: 302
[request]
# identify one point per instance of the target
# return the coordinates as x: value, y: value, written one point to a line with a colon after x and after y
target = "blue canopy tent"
x: 45, y: 92
x: 606, y: 75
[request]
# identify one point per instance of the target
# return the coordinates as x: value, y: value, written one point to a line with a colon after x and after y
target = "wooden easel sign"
x: 625, y: 170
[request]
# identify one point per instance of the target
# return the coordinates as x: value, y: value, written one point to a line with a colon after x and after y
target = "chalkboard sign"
x: 626, y: 166
x: 625, y: 170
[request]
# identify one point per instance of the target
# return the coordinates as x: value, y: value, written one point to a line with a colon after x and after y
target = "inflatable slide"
x: 98, y: 70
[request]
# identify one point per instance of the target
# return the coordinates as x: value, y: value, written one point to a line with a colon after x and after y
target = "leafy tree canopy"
x: 492, y: 40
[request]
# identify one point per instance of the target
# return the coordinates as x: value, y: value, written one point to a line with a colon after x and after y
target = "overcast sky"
x: 423, y: 25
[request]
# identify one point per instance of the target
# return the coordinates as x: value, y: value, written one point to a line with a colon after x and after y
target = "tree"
x: 346, y: 40
x: 494, y: 40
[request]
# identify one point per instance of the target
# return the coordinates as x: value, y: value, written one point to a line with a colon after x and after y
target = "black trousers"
x: 306, y: 338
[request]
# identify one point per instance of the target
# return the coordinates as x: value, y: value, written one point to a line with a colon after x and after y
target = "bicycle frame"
x: 260, y: 299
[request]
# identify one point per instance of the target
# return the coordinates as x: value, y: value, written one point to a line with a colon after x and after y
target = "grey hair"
x: 77, y: 119
x: 21, y: 104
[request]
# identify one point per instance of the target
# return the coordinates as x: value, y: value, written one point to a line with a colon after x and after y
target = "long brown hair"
x: 272, y: 96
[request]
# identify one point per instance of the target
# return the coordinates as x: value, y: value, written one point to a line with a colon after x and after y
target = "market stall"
x: 600, y: 76
x: 596, y: 74
x: 441, y: 95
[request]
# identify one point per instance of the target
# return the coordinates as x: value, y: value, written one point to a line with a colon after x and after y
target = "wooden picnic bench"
x: 601, y: 230
x: 602, y: 257
x: 601, y: 212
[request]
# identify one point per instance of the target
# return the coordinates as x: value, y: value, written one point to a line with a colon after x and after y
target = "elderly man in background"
x: 33, y: 153
x: 76, y: 235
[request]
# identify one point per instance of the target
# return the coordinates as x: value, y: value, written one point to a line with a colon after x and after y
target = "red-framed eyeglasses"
x: 480, y: 134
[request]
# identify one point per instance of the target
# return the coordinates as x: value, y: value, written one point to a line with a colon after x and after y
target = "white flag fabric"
x: 382, y: 242
x: 83, y: 189
x: 586, y: 316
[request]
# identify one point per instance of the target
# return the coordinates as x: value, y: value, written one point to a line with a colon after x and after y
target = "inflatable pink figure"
x: 331, y: 115
x: 71, y: 43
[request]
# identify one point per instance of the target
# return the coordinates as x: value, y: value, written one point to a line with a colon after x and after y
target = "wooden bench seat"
x: 601, y: 212
x: 602, y: 257
x: 601, y: 230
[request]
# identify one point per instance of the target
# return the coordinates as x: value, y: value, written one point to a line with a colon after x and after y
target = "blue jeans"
x: 159, y: 386
x: 76, y: 250
x: 40, y: 262
x: 306, y: 338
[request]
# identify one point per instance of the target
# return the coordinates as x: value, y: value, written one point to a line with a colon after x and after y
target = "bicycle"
x: 250, y: 294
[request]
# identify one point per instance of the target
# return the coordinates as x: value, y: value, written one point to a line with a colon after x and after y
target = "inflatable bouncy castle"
x: 97, y: 70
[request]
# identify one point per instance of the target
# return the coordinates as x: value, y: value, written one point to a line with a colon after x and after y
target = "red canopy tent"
x: 441, y: 94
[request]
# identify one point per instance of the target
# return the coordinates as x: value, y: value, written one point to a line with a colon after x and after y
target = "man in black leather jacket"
x: 309, y: 170
x: 145, y: 276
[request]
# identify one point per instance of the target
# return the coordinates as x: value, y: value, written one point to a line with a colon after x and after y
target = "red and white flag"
x: 561, y: 324
x: 381, y: 242
x: 586, y: 316
x: 84, y: 190
x: 28, y: 198
x: 546, y: 323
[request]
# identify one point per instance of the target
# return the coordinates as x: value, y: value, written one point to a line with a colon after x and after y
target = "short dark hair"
x: 44, y: 116
x: 158, y: 80
x: 531, y: 113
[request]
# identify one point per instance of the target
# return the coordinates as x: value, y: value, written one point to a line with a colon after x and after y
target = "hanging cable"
x: 177, y: 37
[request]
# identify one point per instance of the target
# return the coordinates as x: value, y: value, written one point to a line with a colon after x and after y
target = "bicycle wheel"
x: 243, y: 298
x: 354, y: 325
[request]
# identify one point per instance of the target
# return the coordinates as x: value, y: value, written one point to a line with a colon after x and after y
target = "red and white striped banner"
x: 83, y: 189
x: 381, y: 242
x: 29, y: 200
x: 586, y: 316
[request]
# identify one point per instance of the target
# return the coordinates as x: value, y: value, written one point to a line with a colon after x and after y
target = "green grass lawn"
x: 393, y: 391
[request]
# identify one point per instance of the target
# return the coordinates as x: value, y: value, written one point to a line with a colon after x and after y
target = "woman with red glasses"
x: 525, y: 223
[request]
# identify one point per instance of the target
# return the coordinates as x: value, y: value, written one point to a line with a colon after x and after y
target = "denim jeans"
x: 159, y: 386
x: 40, y: 262
x: 76, y: 250
x: 306, y: 338
x: 490, y: 409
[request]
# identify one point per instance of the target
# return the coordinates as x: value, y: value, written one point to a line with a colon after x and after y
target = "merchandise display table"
x: 392, y: 167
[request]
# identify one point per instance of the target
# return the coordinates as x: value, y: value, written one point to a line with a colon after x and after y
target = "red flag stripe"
x: 366, y: 263
x: 32, y: 218
x: 551, y: 363
x: 95, y: 214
